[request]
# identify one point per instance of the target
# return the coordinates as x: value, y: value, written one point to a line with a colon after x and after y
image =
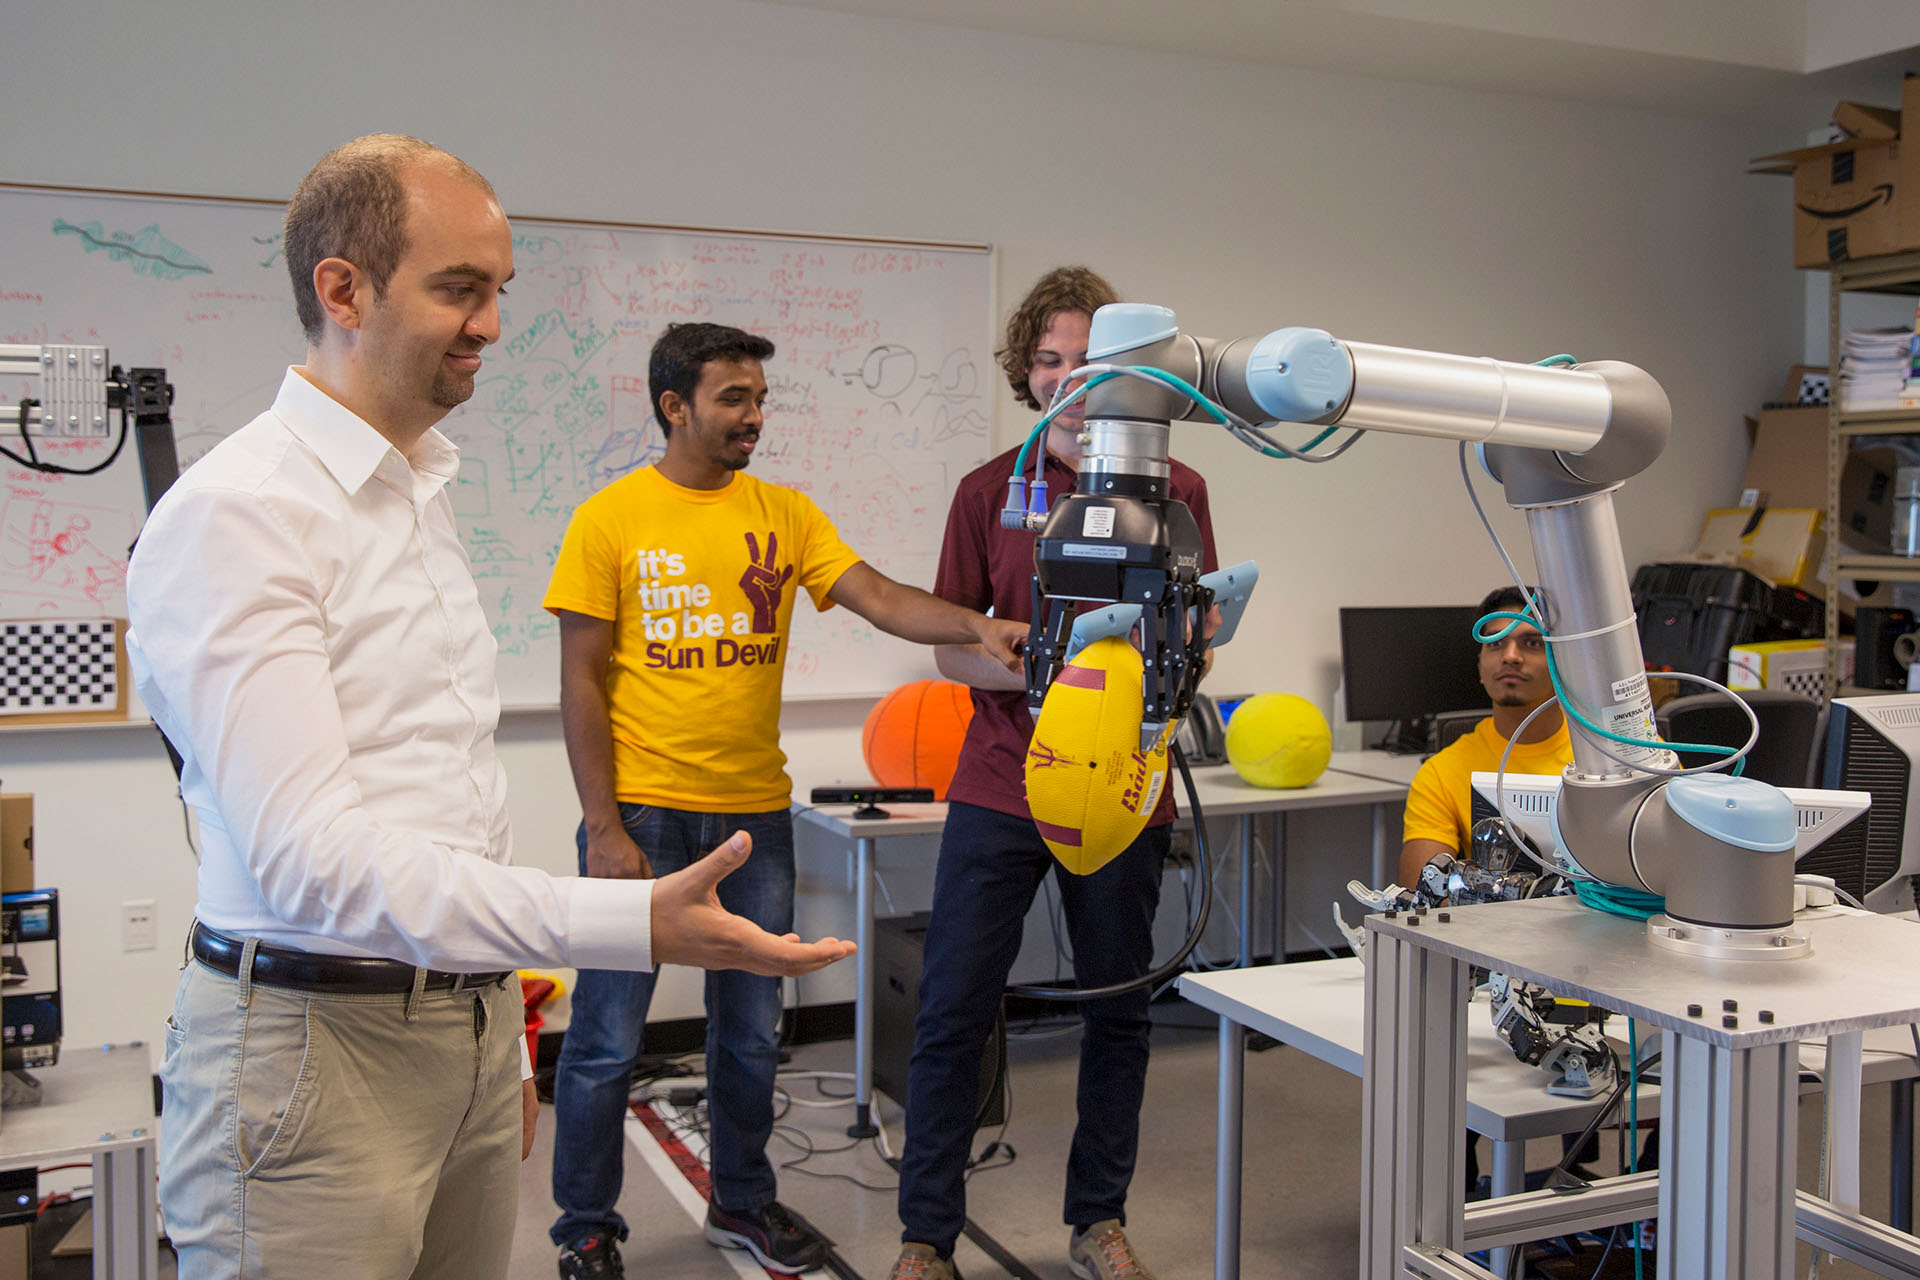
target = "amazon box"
x: 1859, y: 197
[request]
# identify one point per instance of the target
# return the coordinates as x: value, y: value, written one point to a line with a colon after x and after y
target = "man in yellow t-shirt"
x: 1514, y: 673
x: 674, y: 588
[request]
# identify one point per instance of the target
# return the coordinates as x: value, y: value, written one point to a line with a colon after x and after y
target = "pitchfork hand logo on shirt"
x: 764, y: 585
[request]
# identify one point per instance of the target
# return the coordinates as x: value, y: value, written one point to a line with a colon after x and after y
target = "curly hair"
x: 353, y: 205
x: 1061, y: 289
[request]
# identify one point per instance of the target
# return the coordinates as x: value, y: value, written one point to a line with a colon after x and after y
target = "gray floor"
x: 1301, y: 1210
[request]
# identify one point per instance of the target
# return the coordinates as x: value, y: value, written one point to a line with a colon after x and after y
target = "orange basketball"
x: 912, y: 738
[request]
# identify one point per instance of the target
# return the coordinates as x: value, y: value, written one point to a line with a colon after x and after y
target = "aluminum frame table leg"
x: 1382, y: 875
x: 126, y: 1241
x: 1413, y: 1102
x: 1900, y: 1176
x: 1246, y: 890
x: 1842, y: 1102
x: 1280, y: 886
x: 1729, y: 1137
x: 863, y: 1126
x: 1509, y: 1179
x: 1231, y: 1111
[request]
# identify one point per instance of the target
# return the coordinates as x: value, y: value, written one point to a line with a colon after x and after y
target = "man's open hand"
x: 691, y: 927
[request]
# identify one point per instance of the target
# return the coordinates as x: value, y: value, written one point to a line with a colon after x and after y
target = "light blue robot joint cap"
x: 1743, y: 812
x: 1128, y: 326
x: 1299, y: 375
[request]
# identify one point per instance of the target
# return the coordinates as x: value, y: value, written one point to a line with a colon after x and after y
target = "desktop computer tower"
x: 899, y: 946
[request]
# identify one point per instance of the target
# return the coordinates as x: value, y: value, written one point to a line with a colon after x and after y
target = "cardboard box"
x: 1797, y: 666
x: 16, y: 1252
x: 1789, y: 460
x: 1860, y: 197
x: 1788, y: 467
x: 1869, y: 124
x: 1781, y: 544
x: 16, y: 842
x: 1808, y: 384
x: 1866, y: 499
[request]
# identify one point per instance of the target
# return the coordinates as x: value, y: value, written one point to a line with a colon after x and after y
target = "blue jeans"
x: 609, y: 1022
x: 990, y: 869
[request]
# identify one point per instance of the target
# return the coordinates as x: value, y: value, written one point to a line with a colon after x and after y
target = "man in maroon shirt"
x: 992, y: 859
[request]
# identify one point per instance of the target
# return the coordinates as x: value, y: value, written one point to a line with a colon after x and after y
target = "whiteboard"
x: 880, y: 395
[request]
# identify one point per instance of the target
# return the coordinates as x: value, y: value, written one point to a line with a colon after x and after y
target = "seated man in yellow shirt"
x: 1514, y: 674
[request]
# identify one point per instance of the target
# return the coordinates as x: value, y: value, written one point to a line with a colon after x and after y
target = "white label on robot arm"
x: 1098, y: 524
x: 1631, y: 716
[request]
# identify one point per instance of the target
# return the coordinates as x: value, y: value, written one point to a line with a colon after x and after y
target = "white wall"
x: 1243, y: 196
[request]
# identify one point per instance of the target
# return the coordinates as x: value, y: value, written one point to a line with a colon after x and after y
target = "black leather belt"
x: 316, y: 971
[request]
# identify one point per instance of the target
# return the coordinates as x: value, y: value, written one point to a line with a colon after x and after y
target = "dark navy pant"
x: 609, y: 1024
x: 990, y: 869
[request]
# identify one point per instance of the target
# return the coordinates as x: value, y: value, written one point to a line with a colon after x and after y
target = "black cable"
x: 32, y: 460
x: 1558, y: 1178
x: 1601, y: 1265
x: 186, y: 825
x: 1203, y: 859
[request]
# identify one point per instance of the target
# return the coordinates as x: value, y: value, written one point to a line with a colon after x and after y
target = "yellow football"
x: 1090, y: 787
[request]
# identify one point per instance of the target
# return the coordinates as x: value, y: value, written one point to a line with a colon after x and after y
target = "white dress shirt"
x: 306, y: 630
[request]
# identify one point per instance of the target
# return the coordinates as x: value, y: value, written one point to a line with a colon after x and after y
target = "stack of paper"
x: 1873, y: 369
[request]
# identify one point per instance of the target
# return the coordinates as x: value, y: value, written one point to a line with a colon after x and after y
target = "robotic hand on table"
x: 1717, y: 848
x: 1563, y: 1037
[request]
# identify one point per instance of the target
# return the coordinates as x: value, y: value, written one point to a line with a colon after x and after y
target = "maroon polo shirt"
x: 982, y: 566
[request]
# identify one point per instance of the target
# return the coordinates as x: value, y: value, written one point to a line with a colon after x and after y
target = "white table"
x: 1222, y: 794
x: 97, y: 1104
x: 1731, y: 1036
x: 1319, y: 1007
x: 1385, y: 765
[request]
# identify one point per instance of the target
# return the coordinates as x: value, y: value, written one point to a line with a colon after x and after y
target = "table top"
x: 1319, y: 1006
x: 91, y: 1100
x: 1223, y: 793
x: 1378, y: 764
x: 1859, y: 974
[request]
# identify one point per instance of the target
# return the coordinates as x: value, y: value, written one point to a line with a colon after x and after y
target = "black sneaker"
x: 595, y: 1256
x: 771, y: 1236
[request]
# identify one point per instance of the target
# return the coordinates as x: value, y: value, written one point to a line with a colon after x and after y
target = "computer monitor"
x: 1408, y: 664
x: 1872, y: 746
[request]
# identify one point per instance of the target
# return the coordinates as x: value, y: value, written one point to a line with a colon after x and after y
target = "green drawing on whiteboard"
x: 148, y: 252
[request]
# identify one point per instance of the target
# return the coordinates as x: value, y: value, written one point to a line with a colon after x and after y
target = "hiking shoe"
x: 595, y: 1256
x: 1101, y: 1252
x: 771, y: 1235
x: 920, y: 1262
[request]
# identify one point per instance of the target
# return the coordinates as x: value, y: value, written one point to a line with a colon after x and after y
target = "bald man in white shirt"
x: 345, y: 1079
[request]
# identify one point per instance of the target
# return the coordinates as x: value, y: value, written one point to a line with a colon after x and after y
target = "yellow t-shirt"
x: 1440, y: 805
x: 695, y: 582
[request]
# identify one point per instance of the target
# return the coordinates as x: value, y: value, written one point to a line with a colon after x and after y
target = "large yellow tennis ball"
x: 1278, y: 740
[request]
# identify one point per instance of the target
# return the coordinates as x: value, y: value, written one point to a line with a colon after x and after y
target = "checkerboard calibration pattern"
x: 64, y: 665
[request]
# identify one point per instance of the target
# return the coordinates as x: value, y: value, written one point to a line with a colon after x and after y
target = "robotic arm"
x: 1719, y: 849
x: 77, y: 391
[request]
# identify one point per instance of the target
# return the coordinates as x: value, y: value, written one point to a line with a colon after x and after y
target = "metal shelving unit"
x: 1894, y: 273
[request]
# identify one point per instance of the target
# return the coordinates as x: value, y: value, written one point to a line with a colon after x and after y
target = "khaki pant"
x: 371, y: 1136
